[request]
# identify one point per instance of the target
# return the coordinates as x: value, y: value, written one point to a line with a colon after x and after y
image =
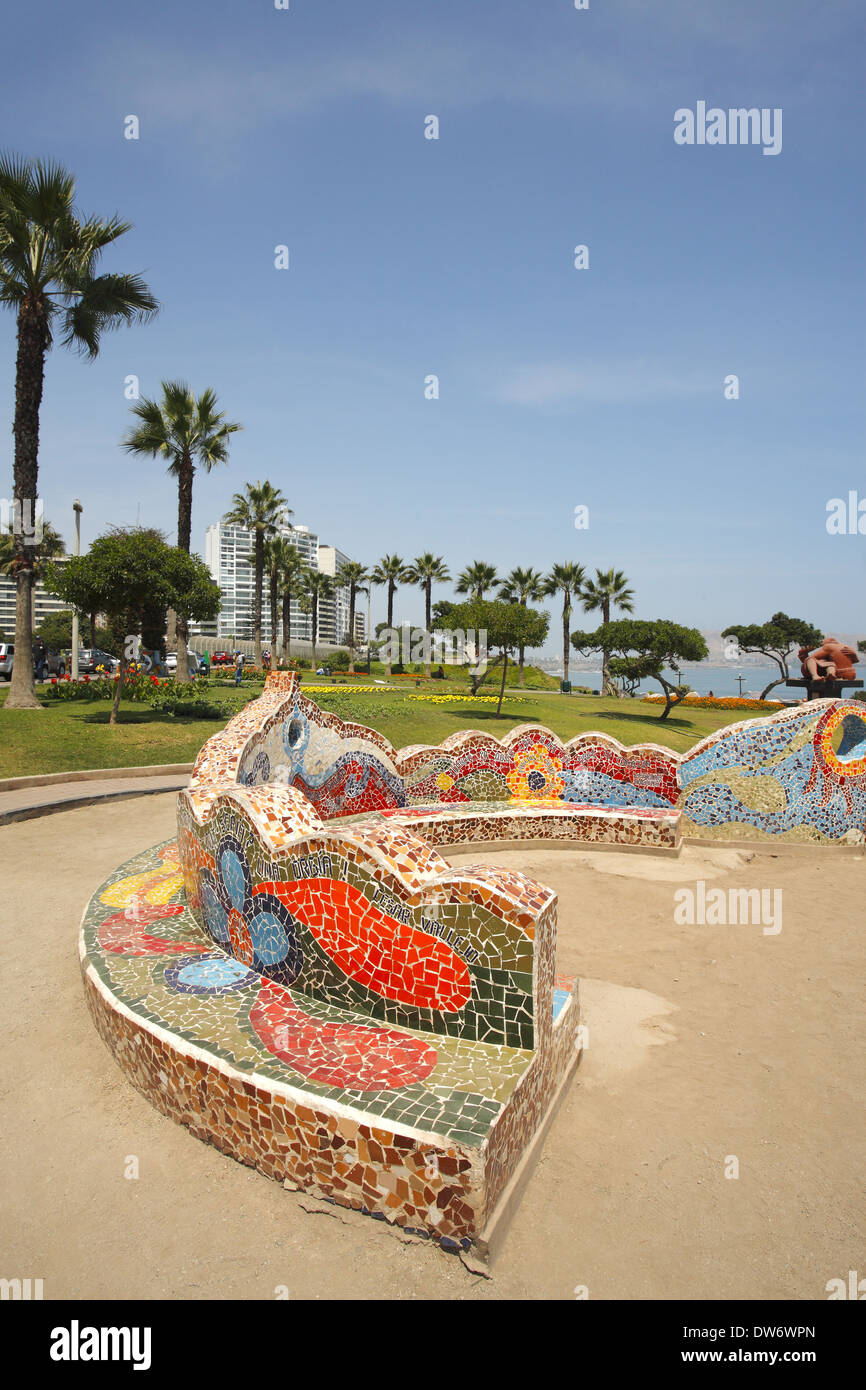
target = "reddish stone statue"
x: 832, y: 661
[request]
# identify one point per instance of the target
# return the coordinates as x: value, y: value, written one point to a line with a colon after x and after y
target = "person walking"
x: 239, y: 667
x: 39, y: 658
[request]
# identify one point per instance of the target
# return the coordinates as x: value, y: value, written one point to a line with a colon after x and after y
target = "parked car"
x: 222, y: 659
x: 55, y: 663
x: 91, y: 658
x: 194, y: 663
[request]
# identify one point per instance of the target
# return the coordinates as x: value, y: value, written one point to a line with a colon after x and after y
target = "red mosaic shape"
x: 338, y: 1054
x: 239, y: 935
x: 123, y: 933
x: 388, y: 957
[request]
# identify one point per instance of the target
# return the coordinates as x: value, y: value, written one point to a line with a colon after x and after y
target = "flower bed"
x: 717, y: 702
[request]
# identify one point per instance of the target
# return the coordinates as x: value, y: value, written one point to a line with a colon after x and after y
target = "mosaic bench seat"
x: 507, y: 823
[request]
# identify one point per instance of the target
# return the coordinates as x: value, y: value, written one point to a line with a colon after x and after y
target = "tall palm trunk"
x: 521, y: 650
x: 391, y: 590
x: 274, y: 599
x: 29, y: 378
x: 606, y: 681
x: 314, y: 627
x: 257, y: 610
x: 351, y: 629
x: 184, y: 534
x: 566, y: 615
x: 287, y: 624
x: 428, y: 605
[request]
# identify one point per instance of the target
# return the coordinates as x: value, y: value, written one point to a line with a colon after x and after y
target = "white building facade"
x: 43, y: 603
x: 229, y: 552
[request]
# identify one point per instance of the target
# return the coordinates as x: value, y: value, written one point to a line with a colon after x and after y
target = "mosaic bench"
x: 337, y: 1005
x: 304, y: 981
x: 797, y: 775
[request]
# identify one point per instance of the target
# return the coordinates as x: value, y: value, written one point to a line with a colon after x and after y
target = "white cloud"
x: 552, y: 383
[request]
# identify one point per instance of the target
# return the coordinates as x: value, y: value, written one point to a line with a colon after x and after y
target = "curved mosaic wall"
x: 778, y: 776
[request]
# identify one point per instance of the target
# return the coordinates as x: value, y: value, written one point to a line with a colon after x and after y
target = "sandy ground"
x: 705, y: 1042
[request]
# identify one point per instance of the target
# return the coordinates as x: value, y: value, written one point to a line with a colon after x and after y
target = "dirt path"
x: 704, y: 1042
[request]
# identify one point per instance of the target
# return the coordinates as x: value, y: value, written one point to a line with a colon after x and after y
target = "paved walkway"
x: 25, y: 803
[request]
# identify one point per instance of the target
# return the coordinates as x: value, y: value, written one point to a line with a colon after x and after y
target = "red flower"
x: 53, y: 680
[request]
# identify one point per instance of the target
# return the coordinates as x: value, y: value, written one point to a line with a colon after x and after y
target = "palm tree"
x: 423, y: 570
x: 315, y: 586
x: 261, y: 508
x: 519, y: 587
x: 48, y: 261
x: 608, y: 590
x: 271, y: 561
x: 475, y: 579
x: 289, y: 568
x: 566, y: 579
x: 187, y: 432
x: 358, y: 578
x: 391, y: 571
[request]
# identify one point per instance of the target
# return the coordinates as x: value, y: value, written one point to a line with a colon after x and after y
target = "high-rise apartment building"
x: 43, y: 602
x: 229, y: 552
x: 334, y: 613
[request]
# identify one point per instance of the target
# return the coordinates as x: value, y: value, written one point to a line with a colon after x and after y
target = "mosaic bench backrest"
x: 798, y: 775
x: 368, y: 918
x: 776, y: 776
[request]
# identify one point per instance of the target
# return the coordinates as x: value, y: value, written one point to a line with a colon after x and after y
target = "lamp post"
x: 740, y: 679
x: 369, y: 653
x: 76, y: 550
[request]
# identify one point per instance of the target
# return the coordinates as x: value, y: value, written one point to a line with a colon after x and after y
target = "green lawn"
x: 65, y: 736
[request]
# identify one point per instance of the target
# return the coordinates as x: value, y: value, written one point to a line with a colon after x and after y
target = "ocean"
x: 721, y: 680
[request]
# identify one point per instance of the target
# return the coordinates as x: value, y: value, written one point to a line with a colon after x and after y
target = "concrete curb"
x: 48, y: 808
x: 94, y: 774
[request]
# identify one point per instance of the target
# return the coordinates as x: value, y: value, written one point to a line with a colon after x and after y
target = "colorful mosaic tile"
x: 304, y: 981
x: 394, y: 1121
x: 780, y: 777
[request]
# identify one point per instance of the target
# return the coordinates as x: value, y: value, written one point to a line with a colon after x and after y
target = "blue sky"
x: 558, y: 387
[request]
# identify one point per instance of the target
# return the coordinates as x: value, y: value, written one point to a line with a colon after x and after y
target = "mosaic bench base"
x: 420, y: 1130
x: 574, y: 823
